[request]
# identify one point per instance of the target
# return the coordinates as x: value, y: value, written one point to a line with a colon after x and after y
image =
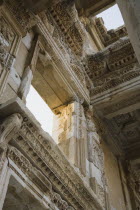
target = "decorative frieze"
x: 36, y: 177
x: 23, y: 17
x: 66, y: 16
x: 112, y: 67
x: 50, y: 161
x: 109, y: 37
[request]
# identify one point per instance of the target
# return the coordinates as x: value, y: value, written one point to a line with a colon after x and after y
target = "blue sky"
x: 112, y: 17
x: 40, y: 110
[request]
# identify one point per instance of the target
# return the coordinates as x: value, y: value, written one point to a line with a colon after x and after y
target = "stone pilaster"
x: 70, y: 133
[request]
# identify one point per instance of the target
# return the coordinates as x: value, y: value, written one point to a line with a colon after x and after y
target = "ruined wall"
x: 58, y: 50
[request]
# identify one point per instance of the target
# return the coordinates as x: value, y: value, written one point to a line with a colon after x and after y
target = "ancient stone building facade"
x: 90, y: 78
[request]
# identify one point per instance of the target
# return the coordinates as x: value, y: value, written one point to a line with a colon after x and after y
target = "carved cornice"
x: 60, y: 62
x: 113, y: 58
x: 25, y: 20
x: 112, y: 67
x: 116, y: 81
x: 66, y: 17
x: 111, y: 36
x: 44, y: 153
x: 36, y: 177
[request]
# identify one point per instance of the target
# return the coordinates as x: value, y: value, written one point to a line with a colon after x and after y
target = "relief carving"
x: 110, y: 36
x: 113, y: 66
x: 6, y: 34
x: 37, y: 177
x: 6, y: 38
x: 66, y: 17
x: 23, y: 16
x: 9, y: 127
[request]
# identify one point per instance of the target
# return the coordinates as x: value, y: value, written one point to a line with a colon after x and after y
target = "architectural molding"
x: 45, y: 154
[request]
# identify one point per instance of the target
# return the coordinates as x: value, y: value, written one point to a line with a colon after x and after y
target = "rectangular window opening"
x: 40, y: 110
x: 112, y: 17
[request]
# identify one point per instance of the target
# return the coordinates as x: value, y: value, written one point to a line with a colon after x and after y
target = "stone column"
x: 70, y: 132
x: 130, y: 10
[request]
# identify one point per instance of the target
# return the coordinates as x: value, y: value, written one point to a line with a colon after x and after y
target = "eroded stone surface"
x: 90, y: 78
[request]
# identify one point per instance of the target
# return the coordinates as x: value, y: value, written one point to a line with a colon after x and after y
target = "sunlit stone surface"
x: 90, y: 78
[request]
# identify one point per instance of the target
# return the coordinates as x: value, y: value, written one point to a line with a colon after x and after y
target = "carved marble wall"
x: 55, y: 48
x: 8, y: 42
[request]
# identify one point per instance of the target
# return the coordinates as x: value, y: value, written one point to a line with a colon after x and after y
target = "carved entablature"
x: 56, y: 51
x: 113, y: 66
x: 65, y: 15
x: 111, y: 36
x: 49, y: 163
x: 23, y: 17
x: 36, y: 177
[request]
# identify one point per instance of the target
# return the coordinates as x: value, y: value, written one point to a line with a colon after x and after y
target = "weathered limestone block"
x: 70, y: 133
